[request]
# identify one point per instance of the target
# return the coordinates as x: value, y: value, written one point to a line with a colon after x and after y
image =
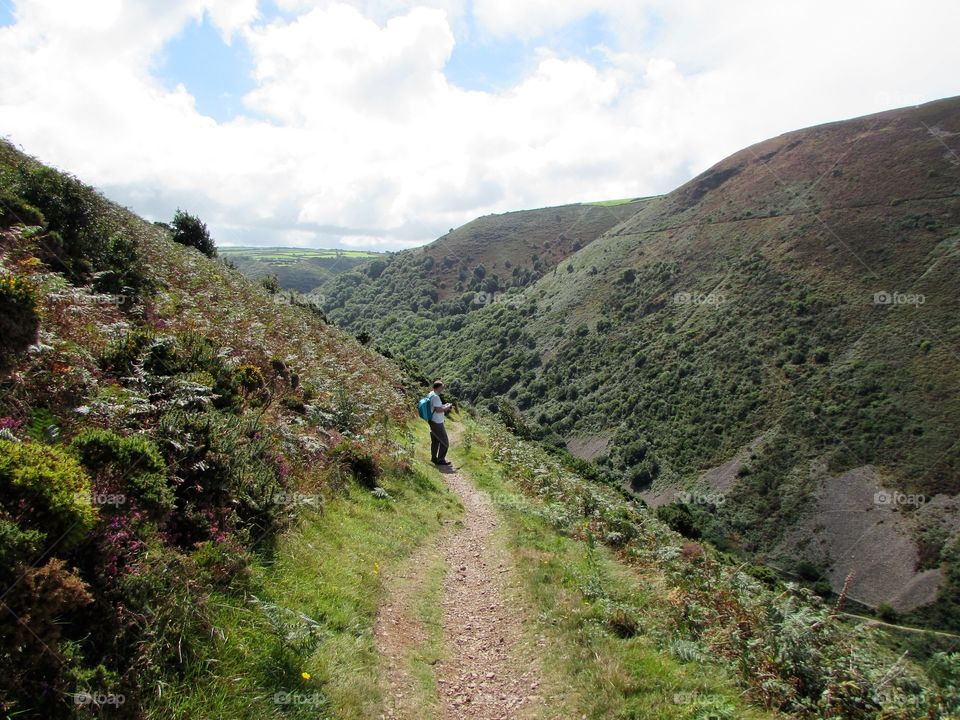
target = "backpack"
x: 423, y: 407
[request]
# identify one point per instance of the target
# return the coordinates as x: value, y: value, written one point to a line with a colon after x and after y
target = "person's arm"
x: 440, y: 407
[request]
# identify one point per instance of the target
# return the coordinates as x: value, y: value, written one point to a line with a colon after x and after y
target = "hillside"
x: 160, y: 419
x: 467, y: 268
x: 776, y: 340
x: 215, y: 505
x: 299, y: 269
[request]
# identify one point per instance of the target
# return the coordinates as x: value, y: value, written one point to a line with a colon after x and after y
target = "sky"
x: 380, y: 124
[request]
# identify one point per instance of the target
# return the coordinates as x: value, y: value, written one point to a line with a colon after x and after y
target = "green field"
x: 302, y: 269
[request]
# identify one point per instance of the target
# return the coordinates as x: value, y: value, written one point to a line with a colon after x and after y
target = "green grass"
x: 581, y: 595
x: 330, y: 570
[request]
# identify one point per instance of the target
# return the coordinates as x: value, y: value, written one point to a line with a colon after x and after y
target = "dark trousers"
x: 438, y: 441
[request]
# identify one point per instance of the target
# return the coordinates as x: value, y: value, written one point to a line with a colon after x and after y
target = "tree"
x: 190, y: 230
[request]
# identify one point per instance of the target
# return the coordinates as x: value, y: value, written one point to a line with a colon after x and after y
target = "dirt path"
x: 480, y: 672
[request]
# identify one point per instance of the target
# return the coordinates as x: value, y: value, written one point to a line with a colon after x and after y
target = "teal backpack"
x: 423, y: 407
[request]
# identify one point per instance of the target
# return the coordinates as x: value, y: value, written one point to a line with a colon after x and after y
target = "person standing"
x: 439, y: 443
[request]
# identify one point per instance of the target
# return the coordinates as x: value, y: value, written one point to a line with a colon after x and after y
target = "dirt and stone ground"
x: 478, y: 666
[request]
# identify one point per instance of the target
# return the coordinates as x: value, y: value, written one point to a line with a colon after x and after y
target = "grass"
x: 597, y: 616
x: 322, y: 588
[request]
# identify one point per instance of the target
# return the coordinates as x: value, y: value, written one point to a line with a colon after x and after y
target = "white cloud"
x: 356, y: 136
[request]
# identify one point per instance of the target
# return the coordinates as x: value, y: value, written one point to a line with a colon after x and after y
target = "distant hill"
x: 766, y: 351
x: 469, y: 266
x: 301, y: 269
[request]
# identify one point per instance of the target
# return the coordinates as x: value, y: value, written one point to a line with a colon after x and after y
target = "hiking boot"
x: 444, y: 462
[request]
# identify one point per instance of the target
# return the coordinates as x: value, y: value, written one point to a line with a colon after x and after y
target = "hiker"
x: 439, y: 444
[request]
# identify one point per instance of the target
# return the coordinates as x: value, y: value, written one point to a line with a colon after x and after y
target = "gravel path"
x: 483, y: 677
x: 482, y: 674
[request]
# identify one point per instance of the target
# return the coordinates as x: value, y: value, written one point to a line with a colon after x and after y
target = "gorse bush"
x: 19, y: 318
x: 39, y: 608
x: 71, y: 212
x: 129, y: 465
x: 45, y: 489
x: 17, y: 545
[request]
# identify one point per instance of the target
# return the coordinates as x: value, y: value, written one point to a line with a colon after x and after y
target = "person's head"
x: 437, y: 385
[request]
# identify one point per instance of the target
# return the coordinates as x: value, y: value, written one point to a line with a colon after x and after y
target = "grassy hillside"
x: 161, y: 419
x: 469, y: 267
x: 200, y: 488
x: 300, y: 269
x: 782, y: 320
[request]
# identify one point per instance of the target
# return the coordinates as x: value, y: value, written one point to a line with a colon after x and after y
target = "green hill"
x: 776, y: 340
x: 470, y: 266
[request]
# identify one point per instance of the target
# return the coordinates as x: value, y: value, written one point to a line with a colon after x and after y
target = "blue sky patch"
x: 6, y: 13
x: 216, y: 74
x: 489, y: 66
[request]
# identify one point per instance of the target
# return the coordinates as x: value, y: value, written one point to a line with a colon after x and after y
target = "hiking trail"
x: 481, y: 672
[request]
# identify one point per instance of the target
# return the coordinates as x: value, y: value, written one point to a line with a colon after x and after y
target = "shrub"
x: 16, y: 211
x: 679, y: 518
x: 249, y: 377
x: 70, y: 210
x: 886, y: 613
x: 123, y: 353
x: 19, y: 320
x: 270, y: 283
x: 228, y: 475
x: 34, y: 672
x: 513, y: 419
x: 17, y: 545
x: 131, y: 464
x: 45, y: 488
x: 361, y: 464
x: 78, y: 243
x: 189, y: 353
x: 191, y: 231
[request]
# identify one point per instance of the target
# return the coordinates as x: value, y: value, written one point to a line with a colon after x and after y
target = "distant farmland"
x: 302, y: 269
